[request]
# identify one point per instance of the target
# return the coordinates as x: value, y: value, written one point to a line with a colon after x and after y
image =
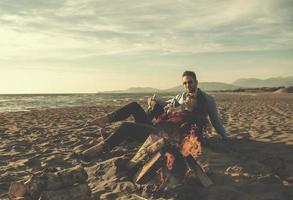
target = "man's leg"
x: 154, y: 112
x: 125, y: 132
x: 133, y: 109
x: 128, y: 132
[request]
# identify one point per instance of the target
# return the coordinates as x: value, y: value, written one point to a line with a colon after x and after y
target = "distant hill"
x: 173, y: 89
x: 270, y: 82
x: 206, y: 86
x: 218, y: 86
x: 136, y: 90
x: 142, y: 89
x: 285, y: 90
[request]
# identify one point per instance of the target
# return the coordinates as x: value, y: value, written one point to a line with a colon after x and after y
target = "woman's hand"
x: 168, y: 108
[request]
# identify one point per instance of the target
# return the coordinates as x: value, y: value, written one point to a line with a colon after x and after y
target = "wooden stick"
x: 204, y: 179
x: 150, y: 146
x: 149, y: 169
x: 139, y: 197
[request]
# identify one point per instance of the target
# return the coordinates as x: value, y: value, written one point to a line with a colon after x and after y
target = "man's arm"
x: 175, y: 101
x: 215, y: 118
x: 158, y: 108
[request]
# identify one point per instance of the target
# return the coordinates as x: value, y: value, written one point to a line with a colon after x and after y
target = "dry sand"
x: 256, y: 164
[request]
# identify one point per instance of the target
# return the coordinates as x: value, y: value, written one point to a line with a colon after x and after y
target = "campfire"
x: 190, y: 146
x: 161, y: 156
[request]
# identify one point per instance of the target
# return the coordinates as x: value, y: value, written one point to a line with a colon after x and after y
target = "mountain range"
x: 216, y: 86
x: 270, y: 82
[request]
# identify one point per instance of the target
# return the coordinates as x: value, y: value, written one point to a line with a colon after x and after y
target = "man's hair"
x: 189, y: 73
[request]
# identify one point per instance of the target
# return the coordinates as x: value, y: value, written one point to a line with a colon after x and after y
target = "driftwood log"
x: 79, y: 191
x: 17, y: 190
x: 48, y: 186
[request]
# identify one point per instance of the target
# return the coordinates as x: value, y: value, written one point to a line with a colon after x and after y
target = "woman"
x: 169, y: 121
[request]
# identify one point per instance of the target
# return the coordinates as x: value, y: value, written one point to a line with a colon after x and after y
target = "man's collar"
x: 197, y: 92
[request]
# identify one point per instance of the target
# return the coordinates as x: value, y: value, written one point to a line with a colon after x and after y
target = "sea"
x: 28, y: 102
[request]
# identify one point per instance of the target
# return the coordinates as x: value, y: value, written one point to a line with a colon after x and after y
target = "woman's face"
x: 191, y: 101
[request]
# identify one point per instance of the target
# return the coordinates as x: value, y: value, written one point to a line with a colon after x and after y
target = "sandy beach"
x: 257, y: 162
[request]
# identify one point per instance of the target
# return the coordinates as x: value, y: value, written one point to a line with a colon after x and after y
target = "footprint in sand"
x: 55, y: 161
x: 34, y: 162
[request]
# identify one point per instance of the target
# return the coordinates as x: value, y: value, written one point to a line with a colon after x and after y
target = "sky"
x: 83, y: 46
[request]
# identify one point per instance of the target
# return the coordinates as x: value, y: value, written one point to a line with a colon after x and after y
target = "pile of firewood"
x: 62, y: 185
x: 152, y: 156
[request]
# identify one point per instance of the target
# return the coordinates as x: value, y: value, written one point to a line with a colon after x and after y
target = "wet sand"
x: 257, y: 162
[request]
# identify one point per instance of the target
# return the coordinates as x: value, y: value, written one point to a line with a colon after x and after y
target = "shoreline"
x: 124, y: 99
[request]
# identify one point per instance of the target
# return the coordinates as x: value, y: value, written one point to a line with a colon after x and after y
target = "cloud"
x: 68, y: 30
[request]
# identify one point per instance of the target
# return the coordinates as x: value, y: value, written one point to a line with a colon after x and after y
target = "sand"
x: 257, y: 162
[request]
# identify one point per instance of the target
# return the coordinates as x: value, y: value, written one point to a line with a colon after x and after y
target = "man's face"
x: 189, y: 84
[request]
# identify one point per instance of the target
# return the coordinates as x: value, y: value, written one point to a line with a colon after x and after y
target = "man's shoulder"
x: 209, y: 98
x: 205, y: 94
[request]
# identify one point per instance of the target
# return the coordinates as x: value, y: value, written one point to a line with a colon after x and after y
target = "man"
x: 190, y: 83
x: 157, y: 106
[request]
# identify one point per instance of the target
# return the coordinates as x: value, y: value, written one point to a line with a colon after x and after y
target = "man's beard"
x: 192, y: 90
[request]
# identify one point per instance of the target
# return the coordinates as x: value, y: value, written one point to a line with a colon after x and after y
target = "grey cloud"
x: 161, y: 25
x: 16, y: 5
